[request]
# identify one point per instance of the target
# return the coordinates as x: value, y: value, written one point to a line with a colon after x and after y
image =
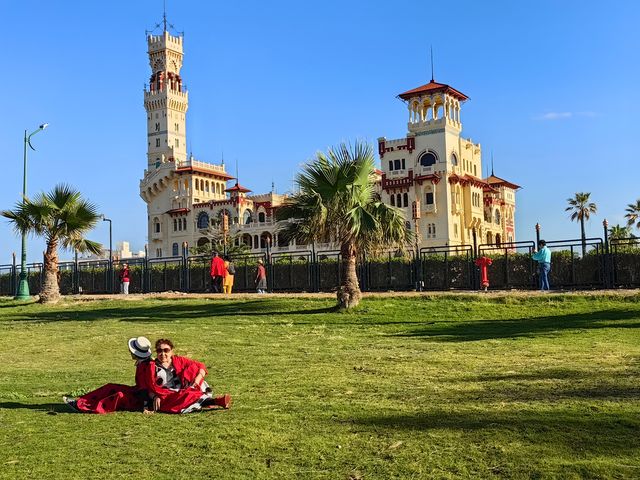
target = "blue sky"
x: 553, y: 90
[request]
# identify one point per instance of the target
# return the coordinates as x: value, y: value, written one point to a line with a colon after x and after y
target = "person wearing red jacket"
x: 114, y: 397
x: 218, y: 272
x: 176, y: 384
x: 124, y: 279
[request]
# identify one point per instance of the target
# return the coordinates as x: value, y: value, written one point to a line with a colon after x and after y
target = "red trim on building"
x: 433, y: 87
x: 220, y: 175
x: 238, y: 188
x: 178, y: 211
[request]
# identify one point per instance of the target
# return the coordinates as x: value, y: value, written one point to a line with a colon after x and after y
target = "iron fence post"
x: 14, y: 278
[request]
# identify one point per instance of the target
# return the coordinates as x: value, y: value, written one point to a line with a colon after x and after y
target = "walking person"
x: 543, y: 257
x: 218, y: 272
x: 124, y: 279
x: 261, y: 278
x: 227, y: 284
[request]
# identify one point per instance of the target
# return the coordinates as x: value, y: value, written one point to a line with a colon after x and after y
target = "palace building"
x: 433, y: 174
x: 187, y: 198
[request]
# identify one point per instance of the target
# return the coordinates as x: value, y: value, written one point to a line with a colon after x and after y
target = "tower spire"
x: 164, y: 15
x: 432, y: 76
x: 492, y: 163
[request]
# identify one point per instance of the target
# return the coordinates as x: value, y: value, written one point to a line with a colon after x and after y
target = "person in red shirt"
x: 124, y: 279
x: 261, y: 278
x: 218, y: 272
x: 114, y: 397
x: 176, y: 384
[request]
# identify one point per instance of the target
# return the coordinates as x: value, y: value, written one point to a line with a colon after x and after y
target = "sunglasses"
x: 163, y: 350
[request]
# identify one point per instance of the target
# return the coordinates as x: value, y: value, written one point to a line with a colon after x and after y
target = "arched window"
x: 428, y: 159
x: 206, y: 186
x: 203, y: 220
x: 156, y: 225
x: 393, y: 200
x: 405, y: 197
x: 454, y: 159
x: 184, y: 223
x: 174, y: 249
x: 175, y: 224
x: 498, y: 239
x: 179, y: 224
x: 496, y: 217
x: 246, y: 217
x: 261, y: 217
x: 399, y: 200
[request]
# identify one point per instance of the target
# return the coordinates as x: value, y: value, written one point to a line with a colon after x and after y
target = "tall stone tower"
x: 166, y: 101
x: 173, y: 183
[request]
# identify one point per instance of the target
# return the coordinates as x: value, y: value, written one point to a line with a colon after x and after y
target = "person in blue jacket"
x: 543, y: 257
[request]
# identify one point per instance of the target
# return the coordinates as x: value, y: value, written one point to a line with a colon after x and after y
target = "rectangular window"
x: 157, y: 142
x: 403, y: 164
x: 177, y: 142
x: 390, y: 164
x: 429, y: 198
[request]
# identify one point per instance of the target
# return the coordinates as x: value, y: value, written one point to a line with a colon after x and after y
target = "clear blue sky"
x: 553, y: 90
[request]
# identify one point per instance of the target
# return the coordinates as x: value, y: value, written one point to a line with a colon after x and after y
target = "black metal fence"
x: 604, y: 264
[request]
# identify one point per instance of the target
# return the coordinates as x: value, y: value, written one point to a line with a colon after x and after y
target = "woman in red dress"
x: 114, y: 397
x: 176, y: 384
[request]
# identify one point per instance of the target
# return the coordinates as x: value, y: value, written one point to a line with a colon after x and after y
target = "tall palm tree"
x: 62, y: 217
x: 581, y: 210
x: 337, y: 202
x: 633, y: 214
x: 618, y: 232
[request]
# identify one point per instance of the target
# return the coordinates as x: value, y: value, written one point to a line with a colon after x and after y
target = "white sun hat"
x: 140, y: 347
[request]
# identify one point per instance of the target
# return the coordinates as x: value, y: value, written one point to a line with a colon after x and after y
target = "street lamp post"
x: 105, y: 219
x: 23, y: 285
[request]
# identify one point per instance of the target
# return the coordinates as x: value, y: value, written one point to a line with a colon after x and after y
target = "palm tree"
x: 633, y: 213
x: 618, y: 232
x: 337, y: 202
x: 62, y: 217
x: 581, y: 210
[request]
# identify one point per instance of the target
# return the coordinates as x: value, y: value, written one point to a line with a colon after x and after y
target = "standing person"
x: 218, y: 272
x: 261, y: 278
x: 124, y: 279
x: 114, y: 397
x: 543, y: 257
x: 227, y: 284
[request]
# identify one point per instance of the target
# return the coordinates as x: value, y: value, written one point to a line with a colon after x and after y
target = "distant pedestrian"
x: 218, y: 272
x: 543, y: 257
x: 227, y: 284
x: 124, y: 279
x: 261, y: 278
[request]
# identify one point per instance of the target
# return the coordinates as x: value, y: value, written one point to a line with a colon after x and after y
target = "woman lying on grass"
x: 170, y: 384
x: 176, y: 384
x: 114, y: 397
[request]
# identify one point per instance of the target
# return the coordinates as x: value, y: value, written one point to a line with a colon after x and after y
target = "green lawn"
x: 423, y: 387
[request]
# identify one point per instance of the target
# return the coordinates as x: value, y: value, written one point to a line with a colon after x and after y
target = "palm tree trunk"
x: 50, y: 292
x: 349, y: 294
x: 584, y: 241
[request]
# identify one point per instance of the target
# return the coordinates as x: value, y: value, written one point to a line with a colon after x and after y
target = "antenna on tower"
x: 164, y: 15
x: 492, y: 163
x: 222, y: 157
x: 237, y: 175
x: 273, y: 186
x: 432, y: 76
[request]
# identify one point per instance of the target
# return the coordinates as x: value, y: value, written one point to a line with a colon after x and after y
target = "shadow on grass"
x: 54, y: 408
x: 463, y: 331
x: 579, y: 431
x: 167, y: 312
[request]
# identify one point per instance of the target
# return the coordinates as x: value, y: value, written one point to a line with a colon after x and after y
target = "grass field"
x: 416, y: 387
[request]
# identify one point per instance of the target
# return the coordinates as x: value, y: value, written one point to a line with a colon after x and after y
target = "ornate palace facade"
x: 433, y: 174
